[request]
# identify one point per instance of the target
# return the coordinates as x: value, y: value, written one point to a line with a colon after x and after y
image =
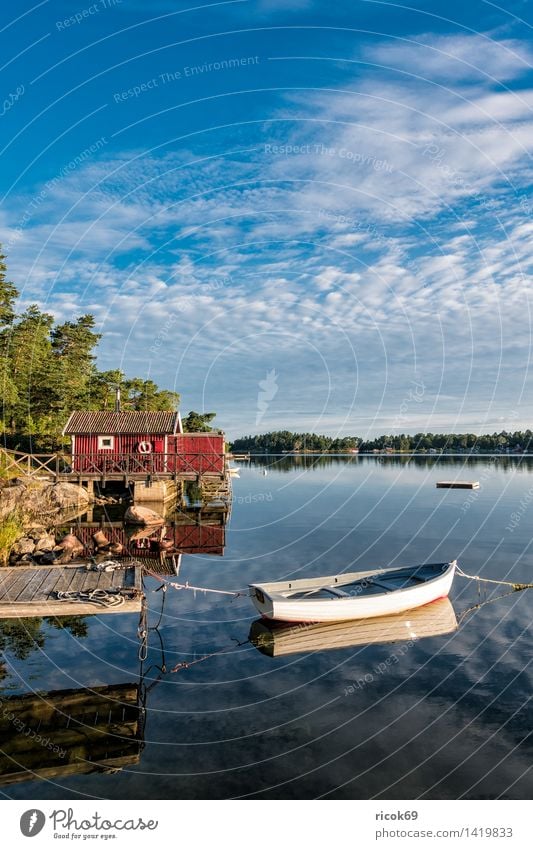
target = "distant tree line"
x: 284, y: 440
x: 47, y: 370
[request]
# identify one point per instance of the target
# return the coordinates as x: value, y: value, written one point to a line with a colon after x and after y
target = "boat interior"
x: 381, y: 582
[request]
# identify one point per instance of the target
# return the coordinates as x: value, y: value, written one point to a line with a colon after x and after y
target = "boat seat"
x: 390, y: 585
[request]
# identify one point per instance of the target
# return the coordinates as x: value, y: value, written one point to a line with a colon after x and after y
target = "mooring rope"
x: 105, y: 598
x: 185, y: 664
x: 512, y: 584
x: 187, y: 586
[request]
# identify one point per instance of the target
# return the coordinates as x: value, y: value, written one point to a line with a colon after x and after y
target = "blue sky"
x: 303, y: 215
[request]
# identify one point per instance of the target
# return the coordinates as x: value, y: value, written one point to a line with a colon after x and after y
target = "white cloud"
x: 345, y: 270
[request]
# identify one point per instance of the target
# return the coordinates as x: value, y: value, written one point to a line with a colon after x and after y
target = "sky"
x: 304, y: 215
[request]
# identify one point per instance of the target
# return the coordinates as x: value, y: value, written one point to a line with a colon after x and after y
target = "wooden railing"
x: 14, y: 463
x: 20, y: 463
x: 201, y: 462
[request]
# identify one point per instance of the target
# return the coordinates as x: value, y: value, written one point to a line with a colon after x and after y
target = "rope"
x: 516, y: 587
x: 187, y: 586
x: 185, y: 664
x: 142, y: 632
x: 461, y: 618
x: 105, y: 598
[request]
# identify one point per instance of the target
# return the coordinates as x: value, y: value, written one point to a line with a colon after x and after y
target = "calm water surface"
x: 446, y: 717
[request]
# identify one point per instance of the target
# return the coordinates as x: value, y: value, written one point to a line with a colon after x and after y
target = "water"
x: 445, y: 717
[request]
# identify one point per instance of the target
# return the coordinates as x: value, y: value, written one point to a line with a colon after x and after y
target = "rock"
x: 100, y: 539
x: 136, y: 515
x: 71, y: 547
x: 25, y: 545
x: 26, y: 558
x: 34, y: 498
x: 12, y: 499
x: 63, y: 495
x: 48, y: 557
x: 46, y: 543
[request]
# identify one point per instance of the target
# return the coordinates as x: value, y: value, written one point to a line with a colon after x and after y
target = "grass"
x: 11, y: 529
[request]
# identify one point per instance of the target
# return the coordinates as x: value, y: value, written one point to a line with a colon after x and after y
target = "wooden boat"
x: 277, y: 639
x: 356, y: 595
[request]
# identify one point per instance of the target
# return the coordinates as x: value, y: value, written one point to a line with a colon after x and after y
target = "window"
x: 106, y: 443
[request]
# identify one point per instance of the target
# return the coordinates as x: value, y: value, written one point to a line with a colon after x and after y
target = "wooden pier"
x: 457, y: 484
x: 33, y: 591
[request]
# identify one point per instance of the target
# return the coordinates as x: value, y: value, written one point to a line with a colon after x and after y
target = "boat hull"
x: 272, y: 602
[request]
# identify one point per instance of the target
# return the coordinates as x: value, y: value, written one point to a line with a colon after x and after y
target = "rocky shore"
x: 33, y: 498
x: 34, y: 507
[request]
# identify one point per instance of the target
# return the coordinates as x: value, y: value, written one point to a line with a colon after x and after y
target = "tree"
x: 27, y: 355
x: 72, y: 364
x: 198, y: 422
x: 8, y: 296
x: 145, y: 395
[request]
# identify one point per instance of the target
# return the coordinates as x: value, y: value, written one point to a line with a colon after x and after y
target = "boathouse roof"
x: 127, y: 421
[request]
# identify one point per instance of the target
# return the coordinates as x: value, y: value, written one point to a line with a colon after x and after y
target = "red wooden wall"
x: 202, y: 453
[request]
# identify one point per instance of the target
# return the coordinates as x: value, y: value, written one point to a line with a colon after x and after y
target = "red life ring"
x: 144, y: 447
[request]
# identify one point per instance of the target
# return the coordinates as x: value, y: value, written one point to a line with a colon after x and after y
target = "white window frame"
x: 102, y: 447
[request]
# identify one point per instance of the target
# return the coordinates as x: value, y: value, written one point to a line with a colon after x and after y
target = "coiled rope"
x: 104, y: 598
x: 516, y: 587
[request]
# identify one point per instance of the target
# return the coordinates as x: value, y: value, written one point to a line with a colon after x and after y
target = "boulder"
x: 69, y: 547
x: 60, y: 496
x: 35, y: 498
x: 100, y: 539
x: 25, y: 545
x: 136, y: 515
x: 12, y: 499
x: 46, y: 543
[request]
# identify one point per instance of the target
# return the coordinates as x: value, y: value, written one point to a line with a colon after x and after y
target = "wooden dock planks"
x: 31, y: 591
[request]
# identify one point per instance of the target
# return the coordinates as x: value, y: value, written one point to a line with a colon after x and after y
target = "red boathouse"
x: 141, y: 443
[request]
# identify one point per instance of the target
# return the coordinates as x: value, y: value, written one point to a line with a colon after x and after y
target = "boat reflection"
x: 277, y: 639
x: 67, y: 732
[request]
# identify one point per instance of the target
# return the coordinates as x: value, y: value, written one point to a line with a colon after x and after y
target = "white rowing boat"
x: 357, y: 595
x: 277, y: 639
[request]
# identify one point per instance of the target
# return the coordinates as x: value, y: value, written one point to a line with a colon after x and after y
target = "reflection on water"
x: 276, y: 639
x: 290, y: 462
x: 345, y: 713
x: 20, y: 637
x: 53, y: 734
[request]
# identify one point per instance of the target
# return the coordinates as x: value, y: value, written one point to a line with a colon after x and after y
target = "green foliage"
x: 48, y: 370
x: 198, y: 422
x: 283, y: 440
x: 136, y: 394
x: 11, y: 529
